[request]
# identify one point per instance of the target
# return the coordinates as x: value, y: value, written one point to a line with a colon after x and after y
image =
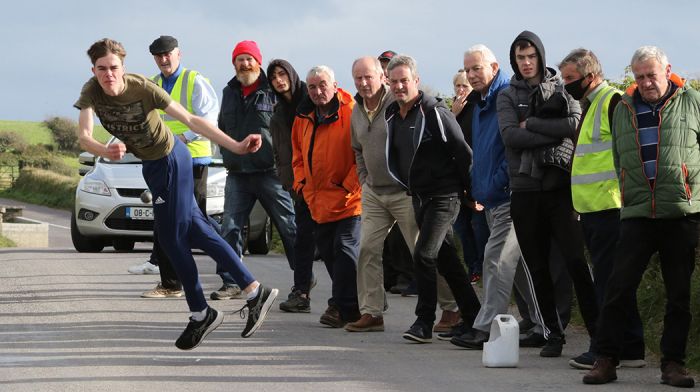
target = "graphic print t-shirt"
x: 132, y: 116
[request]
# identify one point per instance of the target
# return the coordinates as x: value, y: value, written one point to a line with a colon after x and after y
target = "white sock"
x: 253, y: 293
x: 199, y: 316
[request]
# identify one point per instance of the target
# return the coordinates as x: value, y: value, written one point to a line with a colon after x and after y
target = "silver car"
x: 109, y: 211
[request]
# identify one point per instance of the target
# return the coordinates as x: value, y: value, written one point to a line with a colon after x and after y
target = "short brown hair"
x: 104, y: 47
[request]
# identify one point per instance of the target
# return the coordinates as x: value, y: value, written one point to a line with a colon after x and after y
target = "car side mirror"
x: 87, y: 162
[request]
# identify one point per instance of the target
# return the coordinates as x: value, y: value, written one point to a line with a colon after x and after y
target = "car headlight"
x: 215, y: 190
x: 95, y: 186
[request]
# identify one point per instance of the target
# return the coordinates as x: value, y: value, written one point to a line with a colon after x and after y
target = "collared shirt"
x: 372, y: 113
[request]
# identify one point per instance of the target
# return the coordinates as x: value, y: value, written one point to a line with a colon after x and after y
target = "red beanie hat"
x: 247, y: 47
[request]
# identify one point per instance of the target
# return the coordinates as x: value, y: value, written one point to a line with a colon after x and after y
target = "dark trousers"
x: 561, y: 284
x: 181, y: 225
x: 540, y: 217
x: 304, y: 246
x: 675, y: 240
x: 435, y: 249
x: 397, y: 261
x: 473, y: 233
x: 601, y: 231
x: 168, y: 276
x: 339, y: 245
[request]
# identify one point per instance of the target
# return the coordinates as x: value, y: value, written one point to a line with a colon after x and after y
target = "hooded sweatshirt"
x: 442, y: 159
x: 282, y: 120
x: 514, y: 106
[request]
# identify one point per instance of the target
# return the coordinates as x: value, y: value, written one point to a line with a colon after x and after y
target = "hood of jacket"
x: 537, y: 43
x: 296, y: 85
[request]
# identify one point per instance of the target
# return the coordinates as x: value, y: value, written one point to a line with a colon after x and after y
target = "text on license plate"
x: 141, y: 213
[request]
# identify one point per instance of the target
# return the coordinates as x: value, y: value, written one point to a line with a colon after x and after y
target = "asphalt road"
x: 75, y: 321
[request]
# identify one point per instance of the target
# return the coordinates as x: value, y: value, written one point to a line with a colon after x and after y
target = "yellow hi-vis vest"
x: 594, y: 183
x: 182, y: 93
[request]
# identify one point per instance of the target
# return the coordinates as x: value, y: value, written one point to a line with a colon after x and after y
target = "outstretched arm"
x: 250, y: 144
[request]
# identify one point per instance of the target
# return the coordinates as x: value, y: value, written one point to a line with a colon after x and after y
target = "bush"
x: 43, y: 187
x: 64, y: 133
x: 37, y: 156
x: 12, y: 141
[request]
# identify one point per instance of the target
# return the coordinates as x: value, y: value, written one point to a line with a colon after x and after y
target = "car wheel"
x: 82, y: 243
x: 123, y: 245
x: 261, y: 245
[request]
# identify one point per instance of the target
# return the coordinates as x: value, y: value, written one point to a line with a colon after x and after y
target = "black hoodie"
x: 537, y: 43
x: 442, y: 159
x: 282, y: 120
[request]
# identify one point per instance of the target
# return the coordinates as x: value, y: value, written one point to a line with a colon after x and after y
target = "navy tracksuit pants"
x: 181, y: 226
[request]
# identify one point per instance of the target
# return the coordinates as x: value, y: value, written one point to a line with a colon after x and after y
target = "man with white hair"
x: 656, y: 152
x: 490, y: 188
x: 325, y: 174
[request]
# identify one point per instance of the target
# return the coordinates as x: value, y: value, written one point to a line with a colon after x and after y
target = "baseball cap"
x: 387, y: 55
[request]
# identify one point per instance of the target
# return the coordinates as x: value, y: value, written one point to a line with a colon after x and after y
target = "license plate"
x: 139, y: 213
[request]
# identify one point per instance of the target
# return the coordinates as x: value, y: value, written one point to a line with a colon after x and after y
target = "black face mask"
x: 576, y: 89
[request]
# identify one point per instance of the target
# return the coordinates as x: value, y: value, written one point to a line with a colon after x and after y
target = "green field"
x: 35, y: 132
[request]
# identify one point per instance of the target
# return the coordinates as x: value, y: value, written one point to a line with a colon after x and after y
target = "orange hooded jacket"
x: 327, y: 178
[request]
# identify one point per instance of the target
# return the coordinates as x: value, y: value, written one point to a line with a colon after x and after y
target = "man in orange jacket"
x: 325, y: 174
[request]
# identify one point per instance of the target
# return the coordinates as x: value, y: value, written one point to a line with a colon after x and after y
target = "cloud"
x: 44, y: 43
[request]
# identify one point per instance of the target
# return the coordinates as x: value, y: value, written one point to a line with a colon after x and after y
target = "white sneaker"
x: 144, y: 269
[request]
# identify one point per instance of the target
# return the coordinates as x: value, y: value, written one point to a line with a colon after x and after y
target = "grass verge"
x: 43, y: 187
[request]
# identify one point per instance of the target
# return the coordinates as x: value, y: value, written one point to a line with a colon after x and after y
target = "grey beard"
x: 247, y: 78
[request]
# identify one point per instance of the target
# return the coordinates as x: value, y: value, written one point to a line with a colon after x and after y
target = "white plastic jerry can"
x: 503, y: 347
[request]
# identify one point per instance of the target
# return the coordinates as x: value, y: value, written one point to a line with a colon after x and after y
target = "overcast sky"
x: 43, y: 43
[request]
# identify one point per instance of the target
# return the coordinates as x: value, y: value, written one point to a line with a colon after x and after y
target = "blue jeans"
x: 435, y: 248
x: 339, y: 245
x: 240, y: 194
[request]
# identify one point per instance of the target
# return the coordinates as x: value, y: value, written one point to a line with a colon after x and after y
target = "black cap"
x: 163, y: 44
x: 387, y: 55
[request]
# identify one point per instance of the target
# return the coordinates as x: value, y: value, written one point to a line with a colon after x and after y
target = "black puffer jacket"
x: 282, y: 120
x: 514, y: 106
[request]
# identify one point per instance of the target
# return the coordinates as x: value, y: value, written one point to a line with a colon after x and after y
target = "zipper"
x: 688, y: 191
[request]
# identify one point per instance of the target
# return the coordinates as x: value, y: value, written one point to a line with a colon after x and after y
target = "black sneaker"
x: 583, y: 361
x: 533, y: 339
x: 473, y: 340
x: 458, y: 330
x: 419, y: 333
x: 196, y: 331
x: 296, y: 304
x: 257, y: 309
x: 555, y: 343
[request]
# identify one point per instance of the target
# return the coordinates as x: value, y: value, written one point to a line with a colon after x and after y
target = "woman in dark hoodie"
x: 290, y: 90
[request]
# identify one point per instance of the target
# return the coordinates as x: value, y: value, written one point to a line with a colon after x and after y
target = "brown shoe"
x: 674, y: 374
x: 447, y: 321
x: 603, y: 371
x: 331, y: 317
x: 366, y: 323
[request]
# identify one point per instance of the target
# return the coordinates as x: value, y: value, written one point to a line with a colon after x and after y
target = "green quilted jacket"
x: 676, y: 192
